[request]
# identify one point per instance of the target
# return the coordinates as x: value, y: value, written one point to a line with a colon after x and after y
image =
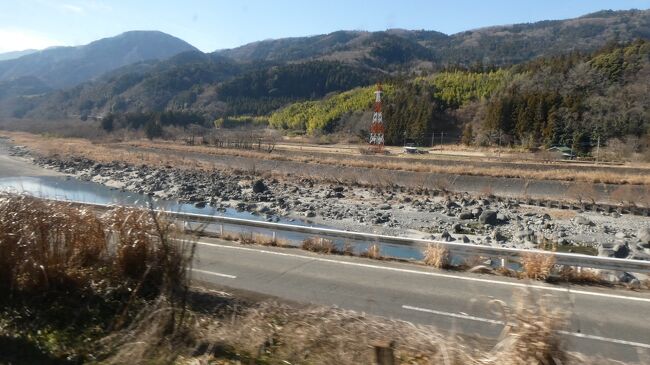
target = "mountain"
x: 503, y: 45
x: 387, y: 50
x: 205, y: 83
x: 499, y: 45
x: 15, y: 54
x: 260, y: 78
x: 347, y: 46
x: 62, y: 67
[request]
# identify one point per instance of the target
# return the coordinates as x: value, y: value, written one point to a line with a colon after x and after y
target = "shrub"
x: 49, y: 246
x: 373, y: 252
x: 437, y: 256
x: 537, y: 266
x: 321, y: 245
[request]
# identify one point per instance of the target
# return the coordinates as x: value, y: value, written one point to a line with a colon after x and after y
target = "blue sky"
x: 216, y: 24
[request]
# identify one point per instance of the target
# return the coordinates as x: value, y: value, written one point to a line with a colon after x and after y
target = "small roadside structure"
x: 410, y: 150
x: 413, y: 150
x: 563, y: 152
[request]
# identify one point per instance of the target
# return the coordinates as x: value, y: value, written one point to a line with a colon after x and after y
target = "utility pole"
x: 441, y: 135
x: 432, y: 136
x: 598, y: 150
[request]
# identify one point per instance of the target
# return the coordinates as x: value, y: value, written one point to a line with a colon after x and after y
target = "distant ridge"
x: 62, y: 67
x: 16, y: 54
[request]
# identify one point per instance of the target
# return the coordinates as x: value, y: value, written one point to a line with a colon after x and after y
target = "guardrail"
x: 460, y: 249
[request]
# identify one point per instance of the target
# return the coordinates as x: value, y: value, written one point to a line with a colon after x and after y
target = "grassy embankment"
x: 166, y: 153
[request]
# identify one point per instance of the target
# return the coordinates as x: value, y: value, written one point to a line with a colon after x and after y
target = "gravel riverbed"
x: 423, y: 213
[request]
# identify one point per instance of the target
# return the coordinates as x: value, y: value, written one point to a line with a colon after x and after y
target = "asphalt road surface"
x: 612, y: 323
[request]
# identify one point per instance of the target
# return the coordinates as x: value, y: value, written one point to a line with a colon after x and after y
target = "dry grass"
x: 320, y: 245
x: 49, y: 246
x: 100, y: 152
x: 70, y: 275
x: 611, y: 177
x: 537, y: 266
x: 277, y: 333
x: 562, y: 214
x: 250, y: 238
x: 43, y: 246
x: 580, y: 275
x: 530, y: 334
x: 147, y: 339
x: 437, y: 256
x: 373, y: 252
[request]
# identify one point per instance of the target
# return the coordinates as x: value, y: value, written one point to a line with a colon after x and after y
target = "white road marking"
x: 493, y: 321
x: 430, y: 273
x: 606, y: 339
x: 455, y: 315
x: 215, y: 274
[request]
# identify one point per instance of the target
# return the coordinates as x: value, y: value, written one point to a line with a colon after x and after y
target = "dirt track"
x: 11, y: 166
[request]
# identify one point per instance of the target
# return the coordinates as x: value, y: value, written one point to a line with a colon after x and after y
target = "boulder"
x: 626, y: 277
x: 445, y: 236
x: 488, y: 217
x: 525, y: 235
x: 644, y: 236
x: 466, y: 215
x: 259, y: 186
x: 621, y: 251
x: 498, y: 236
x: 583, y: 221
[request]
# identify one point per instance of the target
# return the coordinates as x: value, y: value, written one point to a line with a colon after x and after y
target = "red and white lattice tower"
x: 377, y: 126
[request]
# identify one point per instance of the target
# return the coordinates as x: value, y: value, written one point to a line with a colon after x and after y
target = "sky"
x: 217, y: 24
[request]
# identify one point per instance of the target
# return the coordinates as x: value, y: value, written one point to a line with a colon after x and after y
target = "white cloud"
x: 79, y: 7
x: 72, y: 8
x: 19, y: 39
x: 98, y: 6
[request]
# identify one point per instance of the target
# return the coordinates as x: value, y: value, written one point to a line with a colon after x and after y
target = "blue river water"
x: 68, y: 188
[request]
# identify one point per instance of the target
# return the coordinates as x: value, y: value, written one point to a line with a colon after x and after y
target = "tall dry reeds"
x: 319, y: 244
x: 43, y: 246
x: 47, y: 246
x: 531, y: 333
x: 276, y: 333
x: 537, y: 266
x: 437, y: 256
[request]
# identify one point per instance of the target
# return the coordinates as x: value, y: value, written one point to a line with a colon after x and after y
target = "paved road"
x: 607, y: 322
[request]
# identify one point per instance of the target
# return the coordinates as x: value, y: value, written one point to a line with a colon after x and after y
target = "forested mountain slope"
x: 553, y: 82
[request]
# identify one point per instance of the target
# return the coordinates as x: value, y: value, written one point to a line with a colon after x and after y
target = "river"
x: 19, y: 175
